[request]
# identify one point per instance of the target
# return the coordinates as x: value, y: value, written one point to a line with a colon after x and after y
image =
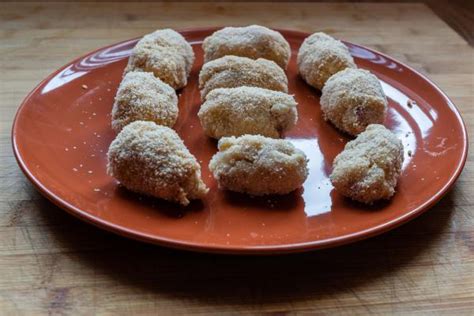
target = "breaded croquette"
x: 143, y: 97
x: 352, y: 99
x: 166, y: 54
x: 252, y: 41
x: 247, y: 110
x: 321, y: 56
x: 151, y: 159
x: 368, y: 168
x: 258, y: 165
x: 234, y: 71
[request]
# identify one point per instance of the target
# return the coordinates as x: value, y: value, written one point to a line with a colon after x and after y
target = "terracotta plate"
x: 62, y: 131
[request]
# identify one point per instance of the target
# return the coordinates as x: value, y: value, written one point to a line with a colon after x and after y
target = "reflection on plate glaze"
x: 84, y: 65
x: 63, y: 77
x: 361, y: 53
x: 405, y: 133
x: 424, y: 121
x: 317, y: 187
x: 106, y: 56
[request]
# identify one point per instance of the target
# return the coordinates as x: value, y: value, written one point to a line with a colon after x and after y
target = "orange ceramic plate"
x: 62, y: 131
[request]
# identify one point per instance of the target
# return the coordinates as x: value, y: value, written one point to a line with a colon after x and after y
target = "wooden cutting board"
x: 51, y: 263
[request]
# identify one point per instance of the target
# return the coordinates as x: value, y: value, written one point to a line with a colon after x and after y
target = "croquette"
x: 151, y: 159
x: 321, y: 56
x: 258, y: 165
x: 252, y: 41
x: 166, y: 54
x: 247, y: 110
x: 352, y: 99
x: 368, y: 168
x: 234, y: 71
x: 143, y: 97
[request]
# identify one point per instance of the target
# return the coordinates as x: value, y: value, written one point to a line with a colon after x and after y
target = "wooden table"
x: 51, y: 263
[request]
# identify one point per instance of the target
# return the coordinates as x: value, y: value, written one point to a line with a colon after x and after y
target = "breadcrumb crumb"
x: 253, y: 41
x: 258, y: 165
x: 151, y: 159
x: 234, y: 71
x: 143, y: 97
x: 352, y: 99
x: 368, y: 168
x: 247, y: 110
x: 321, y: 56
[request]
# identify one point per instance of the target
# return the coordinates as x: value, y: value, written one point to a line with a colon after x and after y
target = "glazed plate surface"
x: 62, y: 132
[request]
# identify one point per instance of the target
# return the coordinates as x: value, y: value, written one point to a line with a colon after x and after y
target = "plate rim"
x: 254, y: 250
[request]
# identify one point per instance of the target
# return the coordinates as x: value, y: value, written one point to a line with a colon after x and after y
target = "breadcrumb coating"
x: 151, y: 159
x: 352, y: 99
x: 234, y: 71
x: 247, y: 110
x: 253, y: 41
x: 321, y: 56
x: 143, y: 97
x: 368, y: 168
x: 258, y: 165
x: 166, y: 54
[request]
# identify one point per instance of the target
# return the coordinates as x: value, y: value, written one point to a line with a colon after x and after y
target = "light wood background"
x: 51, y: 263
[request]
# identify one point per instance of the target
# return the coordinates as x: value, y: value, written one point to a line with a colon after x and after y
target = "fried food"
x: 247, y: 110
x: 143, y: 97
x: 258, y: 165
x: 252, y: 41
x: 352, y: 99
x: 368, y: 168
x: 151, y: 159
x: 166, y: 54
x: 234, y: 71
x: 321, y: 56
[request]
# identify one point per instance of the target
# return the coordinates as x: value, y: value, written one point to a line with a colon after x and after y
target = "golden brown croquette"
x: 143, y: 97
x: 352, y: 99
x: 151, y: 159
x: 321, y: 56
x: 247, y: 110
x: 234, y: 71
x: 368, y: 168
x: 252, y: 41
x: 258, y: 165
x: 166, y: 54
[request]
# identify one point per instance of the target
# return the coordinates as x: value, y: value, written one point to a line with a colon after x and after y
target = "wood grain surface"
x: 51, y: 263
